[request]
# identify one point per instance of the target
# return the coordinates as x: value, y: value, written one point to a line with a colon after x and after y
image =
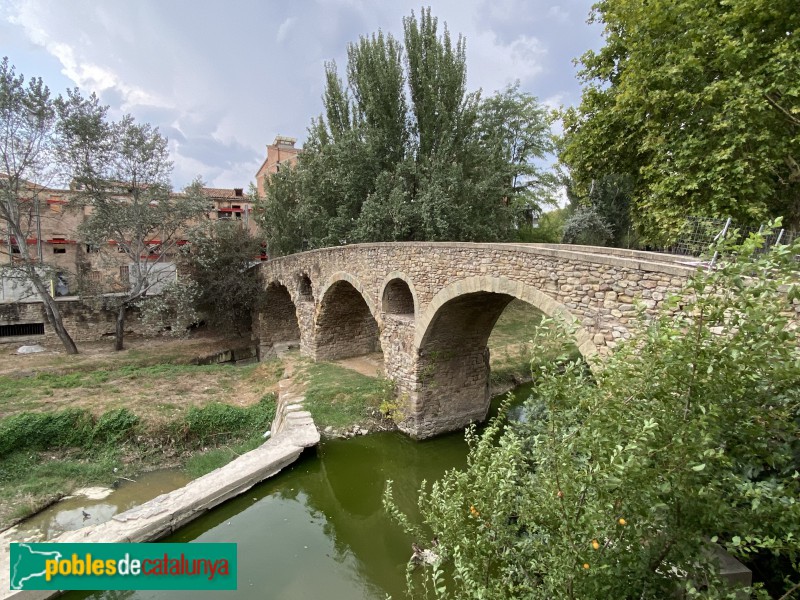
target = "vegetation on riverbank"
x: 46, y: 455
x: 341, y: 398
x: 92, y: 419
x: 619, y: 482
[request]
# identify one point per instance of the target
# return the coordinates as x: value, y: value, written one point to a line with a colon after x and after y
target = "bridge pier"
x: 452, y: 391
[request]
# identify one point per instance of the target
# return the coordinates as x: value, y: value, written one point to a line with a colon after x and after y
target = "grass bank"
x: 46, y: 455
x: 338, y: 397
x: 66, y: 424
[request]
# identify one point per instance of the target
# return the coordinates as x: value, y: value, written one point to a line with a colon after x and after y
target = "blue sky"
x: 222, y: 78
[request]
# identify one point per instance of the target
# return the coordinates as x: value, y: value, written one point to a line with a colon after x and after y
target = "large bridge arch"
x: 508, y: 287
x: 345, y: 322
x: 452, y: 367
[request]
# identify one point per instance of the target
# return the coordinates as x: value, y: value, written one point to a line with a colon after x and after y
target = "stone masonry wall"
x: 84, y: 323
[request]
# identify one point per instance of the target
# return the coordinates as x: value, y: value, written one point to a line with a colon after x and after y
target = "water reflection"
x: 319, y: 529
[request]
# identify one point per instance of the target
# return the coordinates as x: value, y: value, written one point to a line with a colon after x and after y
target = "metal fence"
x: 699, y: 234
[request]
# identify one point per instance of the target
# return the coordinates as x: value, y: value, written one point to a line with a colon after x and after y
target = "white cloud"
x: 88, y: 76
x: 283, y: 30
x: 493, y: 64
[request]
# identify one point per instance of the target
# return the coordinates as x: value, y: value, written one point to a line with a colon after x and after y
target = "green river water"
x: 318, y: 529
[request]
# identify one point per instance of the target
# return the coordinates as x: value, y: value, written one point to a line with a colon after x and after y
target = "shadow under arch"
x: 398, y: 296
x: 450, y: 342
x: 278, y: 319
x: 345, y: 324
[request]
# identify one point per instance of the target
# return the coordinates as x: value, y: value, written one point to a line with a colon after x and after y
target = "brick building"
x: 52, y: 225
x: 281, y: 152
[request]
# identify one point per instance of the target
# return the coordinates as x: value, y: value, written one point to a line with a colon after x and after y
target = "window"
x: 94, y: 275
x: 59, y: 249
x: 21, y: 329
x: 124, y: 275
x: 92, y: 248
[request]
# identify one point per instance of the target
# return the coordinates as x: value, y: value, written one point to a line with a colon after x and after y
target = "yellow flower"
x: 595, y: 544
x: 622, y: 521
x: 474, y: 511
x: 585, y: 565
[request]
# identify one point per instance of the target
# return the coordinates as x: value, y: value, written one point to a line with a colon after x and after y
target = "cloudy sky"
x: 222, y: 78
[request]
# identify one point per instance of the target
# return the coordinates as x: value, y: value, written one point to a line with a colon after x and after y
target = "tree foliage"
x: 708, y: 124
x: 587, y: 226
x: 121, y: 171
x: 618, y: 485
x: 28, y: 139
x: 404, y: 152
x: 220, y: 262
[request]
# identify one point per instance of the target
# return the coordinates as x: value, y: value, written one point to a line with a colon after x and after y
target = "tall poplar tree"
x: 403, y: 151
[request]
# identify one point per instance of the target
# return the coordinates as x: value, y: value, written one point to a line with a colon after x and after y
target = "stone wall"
x: 84, y: 323
x: 598, y: 289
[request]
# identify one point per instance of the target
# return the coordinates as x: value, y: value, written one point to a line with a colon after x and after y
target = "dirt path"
x: 370, y: 365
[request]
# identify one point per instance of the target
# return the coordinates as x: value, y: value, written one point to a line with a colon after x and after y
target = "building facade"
x: 280, y: 152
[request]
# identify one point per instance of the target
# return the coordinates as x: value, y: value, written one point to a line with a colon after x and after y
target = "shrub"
x: 218, y: 422
x: 114, y: 426
x: 71, y: 427
x: 587, y: 227
x: 616, y: 487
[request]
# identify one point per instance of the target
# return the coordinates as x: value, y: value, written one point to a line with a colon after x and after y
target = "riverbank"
x: 68, y: 422
x: 103, y: 416
x: 291, y: 432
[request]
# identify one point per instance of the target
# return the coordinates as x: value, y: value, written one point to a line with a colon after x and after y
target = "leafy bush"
x: 586, y: 226
x: 114, y: 426
x: 616, y: 487
x: 71, y: 427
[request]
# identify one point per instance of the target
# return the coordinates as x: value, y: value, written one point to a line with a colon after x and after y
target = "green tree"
x: 28, y: 138
x: 548, y: 230
x: 220, y: 261
x: 618, y: 485
x: 122, y: 174
x: 404, y: 152
x: 707, y: 124
x: 587, y: 226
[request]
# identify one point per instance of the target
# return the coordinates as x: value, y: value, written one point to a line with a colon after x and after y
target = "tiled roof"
x: 221, y: 193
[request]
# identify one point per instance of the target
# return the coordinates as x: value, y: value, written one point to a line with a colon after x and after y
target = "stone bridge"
x: 430, y: 307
